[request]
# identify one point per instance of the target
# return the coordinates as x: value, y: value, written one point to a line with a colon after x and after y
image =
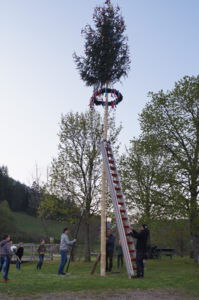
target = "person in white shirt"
x: 64, y: 247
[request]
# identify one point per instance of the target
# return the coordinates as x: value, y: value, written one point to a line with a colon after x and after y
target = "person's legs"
x: 107, y: 261
x: 140, y: 265
x: 40, y: 262
x: 62, y: 262
x: 5, y: 267
x: 18, y: 264
x: 1, y: 263
x: 110, y: 261
x: 122, y: 260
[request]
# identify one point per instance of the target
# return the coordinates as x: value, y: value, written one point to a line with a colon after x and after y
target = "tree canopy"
x: 75, y: 173
x: 173, y: 119
x: 106, y: 57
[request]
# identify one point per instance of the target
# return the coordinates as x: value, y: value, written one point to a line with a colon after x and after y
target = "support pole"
x: 103, y: 198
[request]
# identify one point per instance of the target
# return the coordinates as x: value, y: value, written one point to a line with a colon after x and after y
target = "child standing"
x: 19, y: 254
x: 41, y: 250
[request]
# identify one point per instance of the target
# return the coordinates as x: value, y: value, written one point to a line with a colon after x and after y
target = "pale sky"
x: 39, y: 81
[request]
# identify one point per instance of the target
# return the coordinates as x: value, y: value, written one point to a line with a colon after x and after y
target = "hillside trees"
x: 15, y: 193
x: 7, y: 224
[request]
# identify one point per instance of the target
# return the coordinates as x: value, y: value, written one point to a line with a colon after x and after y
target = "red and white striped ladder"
x: 121, y: 215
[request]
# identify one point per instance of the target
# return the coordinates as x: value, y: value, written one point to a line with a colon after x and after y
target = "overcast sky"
x: 39, y: 81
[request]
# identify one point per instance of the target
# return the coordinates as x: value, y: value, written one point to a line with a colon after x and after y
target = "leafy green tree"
x: 51, y: 207
x: 146, y: 179
x: 106, y: 57
x: 171, y: 233
x: 75, y: 173
x: 173, y: 118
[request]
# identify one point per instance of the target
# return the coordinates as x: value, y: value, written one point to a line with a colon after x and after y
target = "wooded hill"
x: 19, y: 196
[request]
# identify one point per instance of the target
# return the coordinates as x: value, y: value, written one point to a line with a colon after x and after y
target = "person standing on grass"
x: 141, y: 248
x: 5, y: 256
x: 110, y: 242
x: 119, y: 255
x: 41, y: 250
x: 19, y: 254
x: 64, y: 247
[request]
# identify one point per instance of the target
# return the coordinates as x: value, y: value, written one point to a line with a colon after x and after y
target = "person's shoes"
x: 5, y: 281
x: 62, y: 273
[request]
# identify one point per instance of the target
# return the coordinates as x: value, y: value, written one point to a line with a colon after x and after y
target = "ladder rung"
x: 133, y: 259
x: 113, y: 168
x: 111, y: 161
x: 116, y: 181
x: 119, y: 196
x: 119, y: 204
x: 114, y: 175
x: 117, y: 188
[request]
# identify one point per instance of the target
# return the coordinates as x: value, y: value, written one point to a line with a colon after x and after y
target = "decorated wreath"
x: 97, y: 98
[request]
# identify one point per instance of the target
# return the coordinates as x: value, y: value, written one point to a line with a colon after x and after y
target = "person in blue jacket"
x: 110, y: 243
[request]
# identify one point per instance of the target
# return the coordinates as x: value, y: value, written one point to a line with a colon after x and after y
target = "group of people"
x: 141, y: 249
x: 110, y: 247
x: 7, y: 250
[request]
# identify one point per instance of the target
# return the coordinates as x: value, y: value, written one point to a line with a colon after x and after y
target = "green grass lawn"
x: 178, y: 273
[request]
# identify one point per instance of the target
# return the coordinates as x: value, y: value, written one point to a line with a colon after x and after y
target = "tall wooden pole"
x: 103, y: 198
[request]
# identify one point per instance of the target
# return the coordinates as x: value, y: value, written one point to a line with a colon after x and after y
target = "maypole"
x: 97, y: 100
x: 106, y: 60
x: 104, y: 198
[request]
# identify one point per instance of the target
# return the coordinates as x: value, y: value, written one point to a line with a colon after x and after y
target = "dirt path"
x: 163, y: 294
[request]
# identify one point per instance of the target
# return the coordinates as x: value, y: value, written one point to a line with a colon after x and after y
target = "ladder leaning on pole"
x: 118, y: 199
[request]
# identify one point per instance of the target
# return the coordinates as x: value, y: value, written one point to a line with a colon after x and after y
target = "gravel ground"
x: 163, y: 294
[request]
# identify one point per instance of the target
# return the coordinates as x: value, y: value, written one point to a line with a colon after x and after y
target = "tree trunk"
x: 87, y: 251
x: 194, y: 222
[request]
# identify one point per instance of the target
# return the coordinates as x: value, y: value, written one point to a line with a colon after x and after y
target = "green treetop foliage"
x: 106, y: 57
